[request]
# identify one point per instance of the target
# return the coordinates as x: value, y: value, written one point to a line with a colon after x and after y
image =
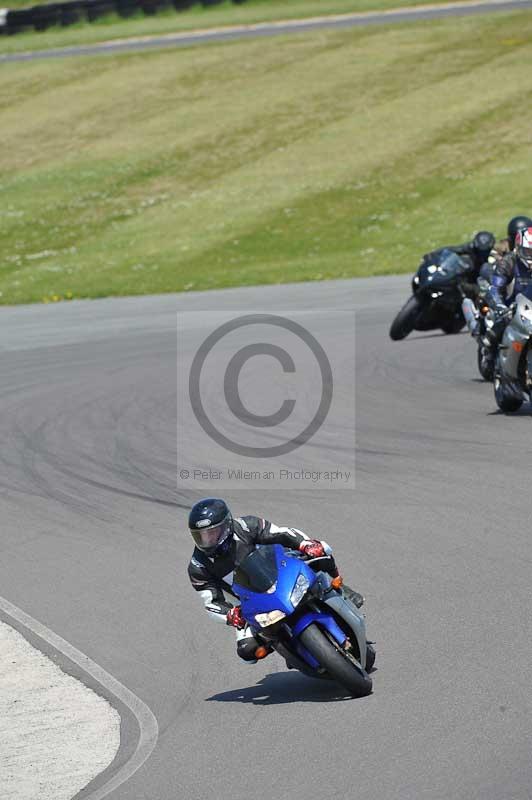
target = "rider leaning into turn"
x: 495, y: 259
x: 222, y: 542
x: 515, y: 267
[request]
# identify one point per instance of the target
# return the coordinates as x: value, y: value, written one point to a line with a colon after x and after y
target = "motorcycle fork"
x: 513, y: 354
x: 527, y: 369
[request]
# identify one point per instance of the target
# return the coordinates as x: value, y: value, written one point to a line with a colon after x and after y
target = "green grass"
x: 168, y: 21
x: 297, y: 158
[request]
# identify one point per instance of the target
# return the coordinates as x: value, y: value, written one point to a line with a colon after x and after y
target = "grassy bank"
x: 299, y: 158
x: 198, y: 16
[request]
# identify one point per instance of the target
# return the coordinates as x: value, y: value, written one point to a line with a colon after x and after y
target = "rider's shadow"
x: 281, y: 687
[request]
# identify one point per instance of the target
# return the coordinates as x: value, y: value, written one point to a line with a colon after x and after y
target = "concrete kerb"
x: 138, y: 726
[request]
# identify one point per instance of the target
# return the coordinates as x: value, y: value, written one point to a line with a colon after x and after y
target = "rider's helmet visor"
x: 210, y: 538
x: 525, y: 254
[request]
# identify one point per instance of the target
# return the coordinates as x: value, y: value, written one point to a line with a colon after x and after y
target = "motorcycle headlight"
x: 299, y: 590
x: 270, y: 618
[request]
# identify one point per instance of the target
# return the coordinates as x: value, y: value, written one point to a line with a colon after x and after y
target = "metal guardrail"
x: 39, y: 18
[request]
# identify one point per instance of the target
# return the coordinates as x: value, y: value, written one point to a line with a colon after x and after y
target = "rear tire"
x: 340, y: 666
x: 405, y: 321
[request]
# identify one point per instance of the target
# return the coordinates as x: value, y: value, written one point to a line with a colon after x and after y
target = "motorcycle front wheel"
x: 405, y: 321
x: 340, y: 665
x: 486, y: 362
x: 507, y: 399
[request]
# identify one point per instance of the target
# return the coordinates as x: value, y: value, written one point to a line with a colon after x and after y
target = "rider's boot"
x: 471, y: 315
x: 354, y: 597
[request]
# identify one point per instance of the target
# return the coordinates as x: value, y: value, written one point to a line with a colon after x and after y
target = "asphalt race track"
x: 408, y: 14
x: 436, y: 534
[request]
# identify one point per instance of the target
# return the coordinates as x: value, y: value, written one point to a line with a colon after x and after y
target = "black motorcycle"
x: 437, y: 294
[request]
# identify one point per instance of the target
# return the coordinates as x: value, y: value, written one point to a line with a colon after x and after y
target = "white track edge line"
x: 148, y: 727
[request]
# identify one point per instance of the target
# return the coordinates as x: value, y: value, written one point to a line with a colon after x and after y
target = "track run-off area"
x: 434, y: 533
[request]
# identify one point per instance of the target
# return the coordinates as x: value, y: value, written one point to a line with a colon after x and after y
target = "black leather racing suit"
x: 212, y: 576
x: 508, y: 269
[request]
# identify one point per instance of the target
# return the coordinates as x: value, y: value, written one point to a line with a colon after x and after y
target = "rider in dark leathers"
x: 222, y: 542
x: 514, y: 267
x: 485, y: 276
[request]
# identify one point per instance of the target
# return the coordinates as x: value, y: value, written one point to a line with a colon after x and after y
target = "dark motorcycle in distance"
x: 437, y: 294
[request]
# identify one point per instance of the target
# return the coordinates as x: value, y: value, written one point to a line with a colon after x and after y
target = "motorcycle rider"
x: 505, y: 246
x: 489, y: 335
x: 515, y: 267
x: 221, y: 543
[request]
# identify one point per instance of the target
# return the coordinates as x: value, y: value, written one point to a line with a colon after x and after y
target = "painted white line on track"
x: 148, y: 727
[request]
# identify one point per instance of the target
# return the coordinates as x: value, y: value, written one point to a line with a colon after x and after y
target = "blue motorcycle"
x: 305, y: 616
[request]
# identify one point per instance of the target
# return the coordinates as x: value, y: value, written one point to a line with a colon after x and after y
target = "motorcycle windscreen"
x: 445, y: 267
x: 452, y: 265
x: 258, y: 571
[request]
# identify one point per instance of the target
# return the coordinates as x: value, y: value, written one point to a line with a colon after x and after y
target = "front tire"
x: 338, y: 663
x: 506, y: 396
x: 370, y: 657
x: 405, y: 321
x: 486, y: 362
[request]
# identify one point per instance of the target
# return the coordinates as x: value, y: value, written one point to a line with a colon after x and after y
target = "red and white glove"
x: 312, y: 548
x: 234, y: 617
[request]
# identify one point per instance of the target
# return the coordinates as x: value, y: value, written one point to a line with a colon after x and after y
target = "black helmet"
x: 519, y: 223
x: 211, y: 524
x: 483, y: 244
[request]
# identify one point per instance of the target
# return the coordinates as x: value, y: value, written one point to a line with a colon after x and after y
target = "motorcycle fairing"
x: 446, y: 267
x: 516, y: 335
x: 287, y: 572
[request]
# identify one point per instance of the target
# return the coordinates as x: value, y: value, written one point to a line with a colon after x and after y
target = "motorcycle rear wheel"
x: 338, y: 663
x: 405, y: 321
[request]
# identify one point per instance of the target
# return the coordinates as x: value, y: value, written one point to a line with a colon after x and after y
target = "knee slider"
x: 245, y: 649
